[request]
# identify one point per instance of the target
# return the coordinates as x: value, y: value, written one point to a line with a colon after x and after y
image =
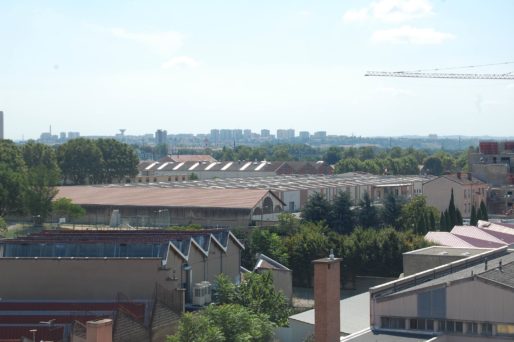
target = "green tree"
x: 391, y: 211
x: 13, y: 177
x: 268, y: 243
x: 482, y: 212
x: 433, y: 166
x: 416, y: 214
x: 473, y: 220
x: 3, y: 226
x: 239, y: 324
x: 256, y: 293
x: 223, y: 323
x: 64, y: 207
x: 317, y: 209
x: 43, y: 175
x: 80, y: 161
x: 332, y: 155
x: 343, y: 218
x: 119, y: 160
x: 193, y: 176
x: 310, y: 242
x: 452, y: 212
x: 368, y: 216
x: 196, y: 328
x: 458, y: 218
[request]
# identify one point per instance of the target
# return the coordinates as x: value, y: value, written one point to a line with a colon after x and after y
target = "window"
x: 487, y: 329
x: 472, y: 328
x: 417, y: 324
x: 450, y: 326
x: 393, y: 323
x: 505, y: 329
x: 459, y: 327
x: 430, y: 324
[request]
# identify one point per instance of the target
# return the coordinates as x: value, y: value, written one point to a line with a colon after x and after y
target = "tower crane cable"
x: 429, y: 73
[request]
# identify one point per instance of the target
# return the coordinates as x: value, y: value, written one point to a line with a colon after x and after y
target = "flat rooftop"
x: 448, y: 251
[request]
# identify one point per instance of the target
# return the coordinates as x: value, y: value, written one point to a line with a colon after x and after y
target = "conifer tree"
x: 458, y: 218
x: 483, y: 215
x: 452, y: 214
x: 473, y: 220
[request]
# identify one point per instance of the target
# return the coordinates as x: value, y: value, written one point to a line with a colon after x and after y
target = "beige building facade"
x: 468, y: 191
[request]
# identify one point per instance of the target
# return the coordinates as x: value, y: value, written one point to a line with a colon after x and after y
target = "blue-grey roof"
x: 376, y: 336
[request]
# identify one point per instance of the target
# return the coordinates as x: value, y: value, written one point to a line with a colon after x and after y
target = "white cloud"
x: 391, y: 91
x: 180, y: 61
x: 411, y: 35
x: 357, y: 15
x: 400, y: 10
x: 390, y: 11
x: 165, y: 42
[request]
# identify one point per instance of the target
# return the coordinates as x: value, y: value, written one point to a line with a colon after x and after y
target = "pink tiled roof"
x: 477, y: 237
x: 446, y: 239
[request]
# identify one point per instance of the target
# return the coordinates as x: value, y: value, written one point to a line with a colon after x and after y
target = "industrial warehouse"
x: 295, y: 190
x: 142, y: 279
x: 148, y: 206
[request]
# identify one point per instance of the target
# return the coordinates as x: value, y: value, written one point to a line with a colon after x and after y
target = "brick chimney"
x: 99, y: 331
x: 326, y: 299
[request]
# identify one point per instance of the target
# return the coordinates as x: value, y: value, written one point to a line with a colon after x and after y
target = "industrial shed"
x: 149, y: 206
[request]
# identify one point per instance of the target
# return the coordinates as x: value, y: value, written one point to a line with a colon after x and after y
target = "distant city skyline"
x: 95, y: 67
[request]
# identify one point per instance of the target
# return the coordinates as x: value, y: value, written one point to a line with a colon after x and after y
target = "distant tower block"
x: 122, y: 132
x: 1, y: 125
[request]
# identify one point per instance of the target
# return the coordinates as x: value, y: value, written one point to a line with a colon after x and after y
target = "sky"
x: 188, y: 66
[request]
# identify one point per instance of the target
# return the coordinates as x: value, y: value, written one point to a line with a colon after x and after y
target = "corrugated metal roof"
x: 162, y: 197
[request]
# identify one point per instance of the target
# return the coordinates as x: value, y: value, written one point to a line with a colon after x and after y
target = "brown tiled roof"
x: 162, y: 197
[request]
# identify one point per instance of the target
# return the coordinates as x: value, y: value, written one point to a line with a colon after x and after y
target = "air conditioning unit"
x: 208, y: 291
x: 199, y: 294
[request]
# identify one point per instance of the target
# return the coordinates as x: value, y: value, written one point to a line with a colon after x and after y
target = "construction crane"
x: 434, y: 73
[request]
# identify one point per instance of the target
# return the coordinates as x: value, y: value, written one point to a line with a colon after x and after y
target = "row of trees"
x: 29, y: 173
x: 365, y: 251
x: 340, y: 216
x: 396, y: 160
x: 96, y: 161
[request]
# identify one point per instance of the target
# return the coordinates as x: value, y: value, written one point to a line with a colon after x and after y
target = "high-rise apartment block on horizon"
x: 161, y: 137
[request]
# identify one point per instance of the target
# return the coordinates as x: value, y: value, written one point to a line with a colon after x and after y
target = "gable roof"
x: 164, y: 197
x: 265, y: 262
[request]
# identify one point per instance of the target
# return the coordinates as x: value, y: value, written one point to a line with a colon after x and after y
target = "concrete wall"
x: 415, y: 263
x: 404, y: 306
x: 148, y: 216
x: 494, y: 174
x: 478, y: 301
x: 80, y: 279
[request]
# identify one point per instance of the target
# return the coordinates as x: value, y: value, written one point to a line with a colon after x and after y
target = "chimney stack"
x: 99, y: 331
x: 326, y: 299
